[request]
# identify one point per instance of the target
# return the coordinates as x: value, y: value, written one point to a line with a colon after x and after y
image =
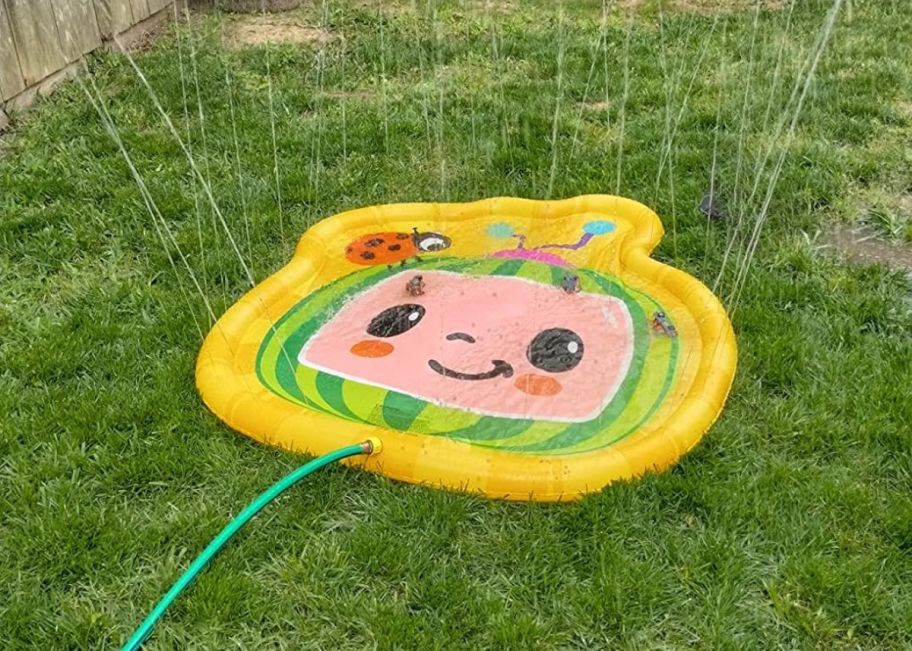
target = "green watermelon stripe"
x: 557, y: 275
x: 671, y: 373
x: 491, y: 428
x: 441, y: 420
x: 292, y: 320
x: 401, y: 410
x: 666, y: 386
x: 330, y: 389
x: 508, y: 268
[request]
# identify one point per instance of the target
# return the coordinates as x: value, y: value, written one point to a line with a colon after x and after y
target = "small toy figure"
x: 571, y: 284
x: 415, y: 286
x: 662, y: 326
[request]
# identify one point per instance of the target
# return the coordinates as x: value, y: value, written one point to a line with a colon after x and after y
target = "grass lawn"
x: 789, y: 527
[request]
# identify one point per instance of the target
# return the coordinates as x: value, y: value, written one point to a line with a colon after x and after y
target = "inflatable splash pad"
x: 521, y: 349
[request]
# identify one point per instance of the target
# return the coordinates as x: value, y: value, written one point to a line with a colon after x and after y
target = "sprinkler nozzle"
x: 372, y: 445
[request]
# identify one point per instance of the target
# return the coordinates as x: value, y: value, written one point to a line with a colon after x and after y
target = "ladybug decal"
x: 390, y: 248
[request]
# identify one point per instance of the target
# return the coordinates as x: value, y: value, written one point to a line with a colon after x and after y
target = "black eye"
x: 555, y: 350
x: 395, y: 320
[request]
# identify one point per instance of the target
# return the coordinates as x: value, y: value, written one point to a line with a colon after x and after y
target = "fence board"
x: 39, y: 38
x: 140, y: 10
x: 11, y: 81
x: 157, y: 5
x: 35, y: 35
x: 114, y: 16
x: 77, y: 27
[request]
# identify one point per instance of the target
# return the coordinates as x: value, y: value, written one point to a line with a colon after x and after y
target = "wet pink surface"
x: 503, y: 315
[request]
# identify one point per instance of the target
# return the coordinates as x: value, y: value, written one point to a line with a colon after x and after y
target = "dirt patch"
x: 498, y: 6
x: 259, y: 30
x: 888, y: 212
x: 863, y: 244
x: 904, y: 205
x: 603, y: 105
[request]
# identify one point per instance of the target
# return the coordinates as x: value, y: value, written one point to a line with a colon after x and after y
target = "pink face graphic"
x: 494, y: 345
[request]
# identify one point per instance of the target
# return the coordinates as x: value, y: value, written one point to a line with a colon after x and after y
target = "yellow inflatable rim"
x: 679, y: 343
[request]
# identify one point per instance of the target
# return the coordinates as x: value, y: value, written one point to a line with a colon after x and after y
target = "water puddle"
x: 865, y: 245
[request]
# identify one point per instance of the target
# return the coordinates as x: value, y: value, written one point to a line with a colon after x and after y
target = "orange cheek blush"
x: 372, y: 348
x: 537, y: 385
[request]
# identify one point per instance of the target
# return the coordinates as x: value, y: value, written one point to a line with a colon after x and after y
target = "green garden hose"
x: 370, y: 446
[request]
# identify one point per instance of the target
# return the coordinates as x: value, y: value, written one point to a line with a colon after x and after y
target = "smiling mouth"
x: 500, y: 368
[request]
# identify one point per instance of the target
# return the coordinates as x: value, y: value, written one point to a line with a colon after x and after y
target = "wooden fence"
x: 41, y: 41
